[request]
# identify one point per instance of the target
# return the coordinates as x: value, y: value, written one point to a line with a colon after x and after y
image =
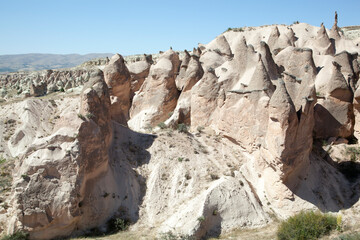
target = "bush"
x: 162, y: 125
x: 171, y: 236
x: 306, y: 225
x: 117, y: 224
x: 90, y: 115
x: 349, y: 236
x: 2, y: 160
x: 16, y: 236
x: 182, y: 128
x: 81, y: 116
x: 353, y: 152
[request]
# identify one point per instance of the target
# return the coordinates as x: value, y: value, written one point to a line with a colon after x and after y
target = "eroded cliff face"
x: 256, y: 102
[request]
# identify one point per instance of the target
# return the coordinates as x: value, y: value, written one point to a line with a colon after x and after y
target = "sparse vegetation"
x: 25, y: 177
x: 90, y: 115
x: 349, y: 236
x: 117, y: 225
x: 353, y: 152
x: 81, y: 116
x: 306, y: 225
x: 148, y: 128
x: 235, y: 29
x: 182, y: 128
x: 214, y: 176
x: 162, y: 125
x: 171, y: 236
x: 16, y: 236
x: 5, y: 174
x: 201, y: 219
x: 2, y: 160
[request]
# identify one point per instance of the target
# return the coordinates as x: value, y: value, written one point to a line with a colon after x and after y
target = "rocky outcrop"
x: 53, y: 190
x: 292, y: 145
x: 158, y: 95
x: 253, y: 109
x: 277, y: 42
x: 38, y: 89
x: 322, y: 45
x: 334, y: 112
x: 334, y: 32
x: 138, y: 72
x: 349, y: 67
x: 268, y: 61
x: 181, y: 77
x: 43, y: 82
x: 204, y: 99
x: 193, y: 74
x: 236, y: 73
x: 117, y: 77
x: 356, y: 104
x: 220, y: 45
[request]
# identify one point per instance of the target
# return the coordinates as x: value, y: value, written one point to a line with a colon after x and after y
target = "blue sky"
x: 131, y: 27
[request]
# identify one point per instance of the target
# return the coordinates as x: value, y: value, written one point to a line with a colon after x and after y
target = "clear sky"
x: 147, y: 26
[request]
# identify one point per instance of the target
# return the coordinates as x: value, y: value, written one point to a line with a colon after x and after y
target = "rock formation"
x: 334, y: 113
x: 158, y: 95
x: 258, y: 104
x: 117, y: 77
x: 138, y: 72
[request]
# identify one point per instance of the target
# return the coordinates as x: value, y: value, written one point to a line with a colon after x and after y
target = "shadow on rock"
x: 329, y: 185
x: 128, y: 151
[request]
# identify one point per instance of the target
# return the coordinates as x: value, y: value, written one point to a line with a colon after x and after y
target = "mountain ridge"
x: 43, y: 61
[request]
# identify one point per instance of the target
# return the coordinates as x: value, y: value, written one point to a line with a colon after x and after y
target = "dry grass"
x: 128, y: 235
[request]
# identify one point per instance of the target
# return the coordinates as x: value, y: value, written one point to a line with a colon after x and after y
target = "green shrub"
x: 306, y: 225
x: 354, y: 153
x: 349, y: 236
x: 16, y: 236
x: 118, y: 224
x: 162, y: 125
x: 90, y: 115
x: 182, y: 128
x: 2, y: 160
x: 201, y: 219
x: 171, y: 236
x: 81, y: 116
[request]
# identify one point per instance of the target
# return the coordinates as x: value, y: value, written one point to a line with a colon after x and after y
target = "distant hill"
x: 37, y: 61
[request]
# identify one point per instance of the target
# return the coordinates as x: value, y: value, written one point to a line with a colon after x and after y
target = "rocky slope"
x: 271, y: 113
